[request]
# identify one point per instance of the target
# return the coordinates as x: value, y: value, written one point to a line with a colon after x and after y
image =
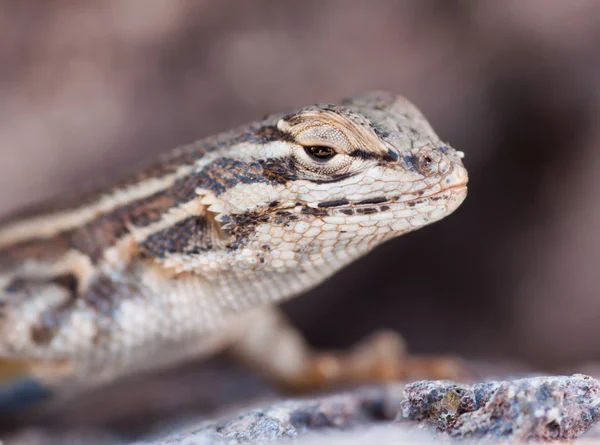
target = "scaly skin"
x: 189, y: 255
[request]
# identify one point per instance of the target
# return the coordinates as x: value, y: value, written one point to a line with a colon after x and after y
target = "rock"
x: 538, y: 408
x: 534, y: 408
x: 293, y: 418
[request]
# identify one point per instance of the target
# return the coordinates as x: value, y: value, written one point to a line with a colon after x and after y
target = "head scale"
x: 331, y: 182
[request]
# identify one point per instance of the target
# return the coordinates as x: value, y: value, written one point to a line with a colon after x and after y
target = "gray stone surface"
x: 535, y: 408
x: 539, y: 408
x: 295, y: 418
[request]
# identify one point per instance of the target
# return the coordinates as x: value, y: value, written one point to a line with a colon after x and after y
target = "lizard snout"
x: 457, y: 177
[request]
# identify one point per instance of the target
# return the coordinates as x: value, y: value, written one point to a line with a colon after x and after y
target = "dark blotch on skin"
x: 373, y: 201
x: 51, y: 320
x: 390, y: 156
x: 244, y: 225
x: 94, y: 237
x: 225, y: 173
x: 367, y: 211
x: 279, y: 170
x: 103, y: 296
x: 43, y: 332
x: 189, y: 236
x: 414, y: 203
x: 336, y: 203
x: 306, y: 210
x: 362, y: 154
x: 68, y: 281
x: 46, y: 248
x: 149, y: 210
x: 381, y: 134
x: 331, y: 180
x: 411, y: 162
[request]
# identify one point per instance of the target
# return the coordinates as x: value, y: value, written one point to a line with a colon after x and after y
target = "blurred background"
x: 89, y: 89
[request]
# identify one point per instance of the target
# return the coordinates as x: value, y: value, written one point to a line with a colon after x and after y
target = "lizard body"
x: 190, y: 254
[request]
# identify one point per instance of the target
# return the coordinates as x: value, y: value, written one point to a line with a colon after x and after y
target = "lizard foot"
x: 381, y: 357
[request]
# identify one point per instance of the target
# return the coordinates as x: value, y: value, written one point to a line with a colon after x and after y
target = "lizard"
x: 190, y: 254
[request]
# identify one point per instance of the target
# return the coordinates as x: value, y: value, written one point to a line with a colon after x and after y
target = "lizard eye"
x: 320, y: 152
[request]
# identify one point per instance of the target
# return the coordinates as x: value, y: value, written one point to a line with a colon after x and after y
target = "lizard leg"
x: 274, y: 347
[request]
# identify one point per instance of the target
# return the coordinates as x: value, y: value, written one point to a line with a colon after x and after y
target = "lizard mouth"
x: 439, y: 193
x: 455, y: 184
x: 409, y: 199
x: 382, y: 203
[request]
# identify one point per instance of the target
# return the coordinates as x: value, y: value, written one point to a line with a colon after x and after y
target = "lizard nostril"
x: 425, y: 163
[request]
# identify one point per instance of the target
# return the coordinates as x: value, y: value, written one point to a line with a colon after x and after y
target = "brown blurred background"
x: 88, y: 89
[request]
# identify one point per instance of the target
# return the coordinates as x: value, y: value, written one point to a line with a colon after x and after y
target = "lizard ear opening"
x: 214, y: 212
x: 217, y: 234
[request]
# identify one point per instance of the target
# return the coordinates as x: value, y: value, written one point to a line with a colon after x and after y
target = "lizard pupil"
x: 320, y: 152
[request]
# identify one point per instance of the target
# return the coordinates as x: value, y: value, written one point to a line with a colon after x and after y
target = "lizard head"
x: 331, y: 182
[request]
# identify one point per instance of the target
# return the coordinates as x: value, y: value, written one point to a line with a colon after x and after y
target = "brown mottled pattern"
x: 88, y: 197
x: 270, y: 133
x: 40, y: 249
x: 226, y: 173
x: 148, y: 210
x: 163, y: 166
x: 49, y: 324
x: 94, y: 237
x: 192, y: 235
x: 196, y: 234
x: 102, y: 296
x: 243, y: 225
x: 279, y: 170
x: 106, y: 229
